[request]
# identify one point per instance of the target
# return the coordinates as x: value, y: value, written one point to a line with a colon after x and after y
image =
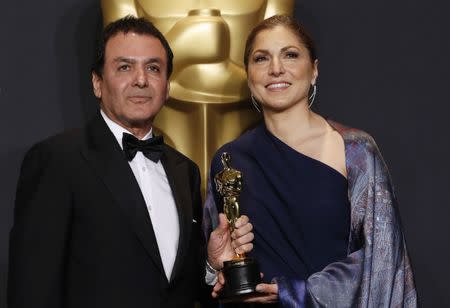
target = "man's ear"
x: 97, y: 85
x: 168, y: 90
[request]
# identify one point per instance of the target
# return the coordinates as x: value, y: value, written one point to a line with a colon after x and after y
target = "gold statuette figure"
x: 241, y: 273
x: 209, y: 94
x: 229, y: 185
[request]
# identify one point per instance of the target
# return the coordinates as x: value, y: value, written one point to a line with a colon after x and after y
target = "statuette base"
x: 241, y: 277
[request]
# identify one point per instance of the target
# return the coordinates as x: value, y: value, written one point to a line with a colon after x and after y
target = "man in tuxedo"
x: 109, y: 215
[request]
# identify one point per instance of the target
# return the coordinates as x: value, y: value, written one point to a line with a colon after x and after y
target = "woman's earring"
x: 312, y: 97
x: 255, y: 103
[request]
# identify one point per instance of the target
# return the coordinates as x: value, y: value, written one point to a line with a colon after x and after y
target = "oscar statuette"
x: 241, y: 273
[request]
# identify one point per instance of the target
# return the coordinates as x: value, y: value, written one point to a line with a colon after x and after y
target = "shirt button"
x: 143, y: 169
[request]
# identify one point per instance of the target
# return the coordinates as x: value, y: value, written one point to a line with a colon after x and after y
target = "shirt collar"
x: 118, y: 130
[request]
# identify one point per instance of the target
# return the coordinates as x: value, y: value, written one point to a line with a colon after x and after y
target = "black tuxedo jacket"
x: 82, y: 236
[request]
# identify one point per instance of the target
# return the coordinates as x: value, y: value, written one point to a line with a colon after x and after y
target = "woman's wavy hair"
x: 280, y: 20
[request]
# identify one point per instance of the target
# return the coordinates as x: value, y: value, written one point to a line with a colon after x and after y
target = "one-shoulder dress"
x: 310, y: 233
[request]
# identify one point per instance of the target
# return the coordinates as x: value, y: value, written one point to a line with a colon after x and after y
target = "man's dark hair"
x: 124, y: 25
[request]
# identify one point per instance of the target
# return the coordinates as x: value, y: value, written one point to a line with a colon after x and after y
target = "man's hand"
x: 223, y: 246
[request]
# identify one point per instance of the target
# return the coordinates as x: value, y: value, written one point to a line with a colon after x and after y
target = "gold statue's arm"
x: 279, y: 7
x: 116, y: 9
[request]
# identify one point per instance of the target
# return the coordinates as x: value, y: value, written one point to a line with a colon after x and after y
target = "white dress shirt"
x: 155, y: 188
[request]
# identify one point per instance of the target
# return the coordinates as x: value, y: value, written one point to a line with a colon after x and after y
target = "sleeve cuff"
x: 291, y: 292
x: 211, y: 274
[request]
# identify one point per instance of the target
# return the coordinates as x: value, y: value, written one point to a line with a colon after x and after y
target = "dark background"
x: 384, y: 68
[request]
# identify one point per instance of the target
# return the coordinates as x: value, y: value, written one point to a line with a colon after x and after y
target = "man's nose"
x: 276, y: 67
x: 140, y: 78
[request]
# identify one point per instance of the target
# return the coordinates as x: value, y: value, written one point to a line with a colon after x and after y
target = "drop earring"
x: 255, y: 103
x: 312, y: 97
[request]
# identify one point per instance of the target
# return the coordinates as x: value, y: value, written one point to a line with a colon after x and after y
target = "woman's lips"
x: 278, y: 86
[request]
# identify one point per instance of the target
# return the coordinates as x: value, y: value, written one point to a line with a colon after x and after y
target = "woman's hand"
x: 267, y: 292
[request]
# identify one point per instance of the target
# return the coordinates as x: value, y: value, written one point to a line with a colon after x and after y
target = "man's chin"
x: 137, y: 122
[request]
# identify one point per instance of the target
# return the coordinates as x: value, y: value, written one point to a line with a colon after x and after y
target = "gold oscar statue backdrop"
x: 208, y: 103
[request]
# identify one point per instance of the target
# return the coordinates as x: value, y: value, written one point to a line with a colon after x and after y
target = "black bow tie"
x: 152, y: 148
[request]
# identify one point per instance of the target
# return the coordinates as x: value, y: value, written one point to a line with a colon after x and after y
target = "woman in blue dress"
x: 319, y: 196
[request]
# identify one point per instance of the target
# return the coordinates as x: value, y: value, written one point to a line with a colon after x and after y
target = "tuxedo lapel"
x: 177, y: 174
x: 105, y: 156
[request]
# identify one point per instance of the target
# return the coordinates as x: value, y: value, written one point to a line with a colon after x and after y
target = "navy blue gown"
x: 298, y: 206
